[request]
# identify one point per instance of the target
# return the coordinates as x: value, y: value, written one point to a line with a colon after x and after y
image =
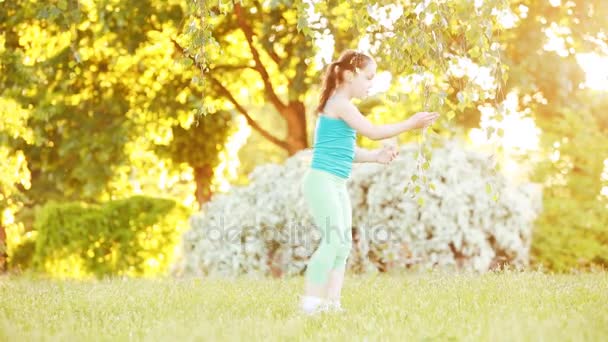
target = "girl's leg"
x: 334, y: 286
x: 336, y: 278
x: 327, y: 216
x: 324, y: 202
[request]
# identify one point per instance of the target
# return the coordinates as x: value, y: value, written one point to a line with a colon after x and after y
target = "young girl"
x: 324, y: 185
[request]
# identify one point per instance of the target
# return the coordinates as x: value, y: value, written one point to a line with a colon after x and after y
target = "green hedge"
x: 571, y: 236
x: 134, y: 236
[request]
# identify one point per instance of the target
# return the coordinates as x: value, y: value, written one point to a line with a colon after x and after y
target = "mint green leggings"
x: 329, y: 204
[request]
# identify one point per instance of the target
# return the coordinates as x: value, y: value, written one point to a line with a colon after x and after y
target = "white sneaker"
x: 311, y: 305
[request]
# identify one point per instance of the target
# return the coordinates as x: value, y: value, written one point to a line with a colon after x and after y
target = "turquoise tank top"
x: 334, y: 146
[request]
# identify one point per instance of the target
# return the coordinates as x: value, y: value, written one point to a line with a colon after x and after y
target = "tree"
x: 199, y: 146
x: 279, y: 50
x: 260, y: 44
x: 110, y: 77
x: 509, y: 39
x: 86, y: 88
x: 104, y: 86
x: 14, y: 173
x: 571, y: 231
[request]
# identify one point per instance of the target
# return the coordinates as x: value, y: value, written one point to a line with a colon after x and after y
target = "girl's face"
x: 362, y: 80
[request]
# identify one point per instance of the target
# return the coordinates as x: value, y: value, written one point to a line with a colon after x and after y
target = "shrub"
x: 265, y: 228
x: 571, y: 235
x: 134, y: 236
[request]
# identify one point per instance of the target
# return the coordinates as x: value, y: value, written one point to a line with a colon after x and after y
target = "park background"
x: 124, y: 124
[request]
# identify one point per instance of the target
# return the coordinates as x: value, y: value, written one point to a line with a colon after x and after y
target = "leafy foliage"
x: 265, y: 228
x: 199, y: 146
x: 135, y: 236
x: 89, y: 90
x: 572, y: 232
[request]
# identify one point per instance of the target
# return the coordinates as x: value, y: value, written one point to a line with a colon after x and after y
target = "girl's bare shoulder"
x: 335, y: 106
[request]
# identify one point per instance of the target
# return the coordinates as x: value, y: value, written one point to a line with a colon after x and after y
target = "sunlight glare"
x: 226, y: 170
x: 382, y: 82
x: 521, y: 134
x: 596, y: 70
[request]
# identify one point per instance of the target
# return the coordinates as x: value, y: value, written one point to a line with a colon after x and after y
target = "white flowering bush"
x: 265, y: 228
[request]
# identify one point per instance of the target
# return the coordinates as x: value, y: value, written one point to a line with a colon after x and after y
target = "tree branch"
x: 243, y: 111
x: 268, y: 88
x: 231, y: 98
x: 229, y: 67
x: 270, y: 49
x: 273, y: 54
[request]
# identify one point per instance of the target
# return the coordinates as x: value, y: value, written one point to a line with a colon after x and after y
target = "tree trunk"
x: 297, y: 138
x: 3, y: 254
x: 203, y: 175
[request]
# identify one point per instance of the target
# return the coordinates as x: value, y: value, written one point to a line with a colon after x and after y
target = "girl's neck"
x: 342, y: 92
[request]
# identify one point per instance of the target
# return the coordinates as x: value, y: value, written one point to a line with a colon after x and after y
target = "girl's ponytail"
x: 349, y: 60
x: 329, y: 84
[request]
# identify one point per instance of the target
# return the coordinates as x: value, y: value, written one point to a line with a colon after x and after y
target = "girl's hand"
x: 387, y: 154
x: 423, y: 119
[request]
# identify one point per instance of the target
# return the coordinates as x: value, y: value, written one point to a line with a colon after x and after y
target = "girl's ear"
x: 348, y: 76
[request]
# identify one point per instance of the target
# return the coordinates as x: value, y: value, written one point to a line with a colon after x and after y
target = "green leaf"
x: 489, y: 132
x: 186, y: 62
x: 488, y: 31
x: 461, y: 97
x: 53, y: 13
x: 475, y: 52
x: 307, y: 32
x: 393, y: 98
x: 302, y: 23
x: 62, y: 4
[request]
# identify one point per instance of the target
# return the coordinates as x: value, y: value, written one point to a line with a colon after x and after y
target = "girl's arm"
x: 354, y: 118
x: 363, y: 155
x: 384, y: 155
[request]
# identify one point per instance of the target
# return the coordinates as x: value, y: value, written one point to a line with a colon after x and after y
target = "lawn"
x: 507, y: 306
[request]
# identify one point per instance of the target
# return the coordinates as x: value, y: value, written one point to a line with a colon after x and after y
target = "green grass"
x: 507, y: 306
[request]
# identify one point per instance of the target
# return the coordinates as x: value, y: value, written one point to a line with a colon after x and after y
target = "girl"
x: 324, y: 185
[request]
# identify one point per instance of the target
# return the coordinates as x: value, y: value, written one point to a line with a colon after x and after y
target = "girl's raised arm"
x: 353, y: 117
